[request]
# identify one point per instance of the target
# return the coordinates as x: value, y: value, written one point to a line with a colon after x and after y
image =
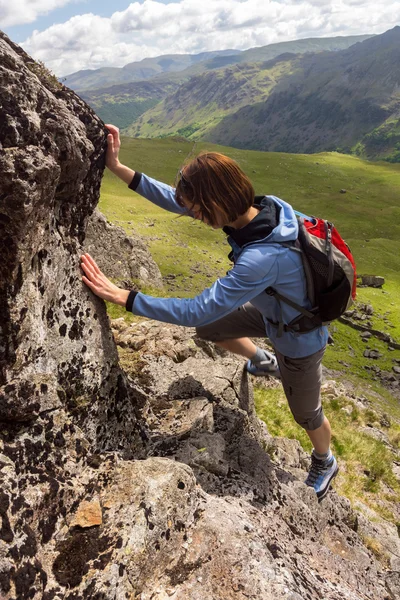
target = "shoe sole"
x: 322, y: 495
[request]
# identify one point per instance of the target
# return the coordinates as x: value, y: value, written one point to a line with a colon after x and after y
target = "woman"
x: 214, y: 189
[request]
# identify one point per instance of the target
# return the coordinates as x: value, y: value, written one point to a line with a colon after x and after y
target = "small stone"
x: 365, y: 335
x: 396, y: 370
x: 375, y: 354
x: 343, y: 191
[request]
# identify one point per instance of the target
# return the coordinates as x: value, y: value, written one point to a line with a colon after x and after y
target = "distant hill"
x: 124, y: 103
x: 200, y: 103
x: 348, y: 100
x: 139, y: 71
x: 198, y: 63
x: 269, y: 52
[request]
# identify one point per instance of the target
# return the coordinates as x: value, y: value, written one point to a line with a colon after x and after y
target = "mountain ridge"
x: 346, y: 100
x: 331, y: 101
x: 150, y: 67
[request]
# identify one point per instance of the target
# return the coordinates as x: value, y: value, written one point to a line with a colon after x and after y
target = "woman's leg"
x: 233, y: 333
x: 242, y: 346
x: 301, y: 379
x: 321, y: 437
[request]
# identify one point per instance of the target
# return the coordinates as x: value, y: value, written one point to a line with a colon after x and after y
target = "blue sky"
x: 70, y: 35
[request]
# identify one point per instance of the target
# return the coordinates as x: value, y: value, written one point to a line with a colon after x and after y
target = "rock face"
x: 125, y: 259
x: 154, y: 485
x: 56, y: 348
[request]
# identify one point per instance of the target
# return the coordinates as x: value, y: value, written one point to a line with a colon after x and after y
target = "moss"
x: 44, y: 74
x: 376, y: 548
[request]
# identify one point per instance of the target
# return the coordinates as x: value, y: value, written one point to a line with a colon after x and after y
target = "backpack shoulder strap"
x: 271, y: 292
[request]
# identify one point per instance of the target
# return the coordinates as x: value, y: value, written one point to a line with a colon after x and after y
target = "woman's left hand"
x: 99, y: 284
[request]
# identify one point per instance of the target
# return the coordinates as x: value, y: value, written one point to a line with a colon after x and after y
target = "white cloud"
x: 18, y: 12
x: 189, y: 26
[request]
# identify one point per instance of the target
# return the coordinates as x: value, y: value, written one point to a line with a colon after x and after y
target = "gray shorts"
x: 301, y: 377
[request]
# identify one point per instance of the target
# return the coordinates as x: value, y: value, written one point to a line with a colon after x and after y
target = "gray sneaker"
x: 268, y: 366
x: 321, y: 475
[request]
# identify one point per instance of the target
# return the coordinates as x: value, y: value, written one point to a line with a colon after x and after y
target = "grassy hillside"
x: 346, y: 101
x: 122, y: 104
x: 368, y: 213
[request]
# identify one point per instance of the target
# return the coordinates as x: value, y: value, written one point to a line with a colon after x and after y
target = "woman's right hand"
x: 113, y: 146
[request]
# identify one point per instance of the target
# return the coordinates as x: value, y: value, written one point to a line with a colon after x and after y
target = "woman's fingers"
x: 88, y: 271
x: 90, y: 284
x: 112, y: 129
x: 87, y: 259
x: 95, y: 279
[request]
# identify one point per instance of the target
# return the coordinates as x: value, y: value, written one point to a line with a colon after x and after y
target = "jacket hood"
x: 276, y: 222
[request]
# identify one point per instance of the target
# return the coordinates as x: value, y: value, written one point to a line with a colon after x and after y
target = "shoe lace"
x: 317, y: 468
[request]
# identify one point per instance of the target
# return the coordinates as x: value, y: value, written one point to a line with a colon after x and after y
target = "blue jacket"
x: 258, y: 264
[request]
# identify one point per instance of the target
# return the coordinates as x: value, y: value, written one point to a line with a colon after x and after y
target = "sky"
x: 71, y: 35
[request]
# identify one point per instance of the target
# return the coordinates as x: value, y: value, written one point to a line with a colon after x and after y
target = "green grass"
x: 366, y: 464
x: 367, y: 215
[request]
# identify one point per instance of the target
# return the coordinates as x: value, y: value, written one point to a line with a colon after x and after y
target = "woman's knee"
x: 206, y: 333
x: 309, y: 421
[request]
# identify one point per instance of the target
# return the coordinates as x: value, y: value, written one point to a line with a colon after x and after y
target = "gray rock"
x: 366, y: 334
x: 125, y: 259
x: 372, y: 280
x: 375, y: 354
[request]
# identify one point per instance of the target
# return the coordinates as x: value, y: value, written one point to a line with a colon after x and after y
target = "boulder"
x: 372, y: 281
x: 124, y: 259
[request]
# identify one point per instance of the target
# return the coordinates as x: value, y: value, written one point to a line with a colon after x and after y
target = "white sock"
x: 324, y: 457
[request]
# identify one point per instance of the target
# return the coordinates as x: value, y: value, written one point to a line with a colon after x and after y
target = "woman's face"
x: 195, y: 211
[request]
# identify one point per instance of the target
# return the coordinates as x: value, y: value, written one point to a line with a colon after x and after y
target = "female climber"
x: 214, y: 189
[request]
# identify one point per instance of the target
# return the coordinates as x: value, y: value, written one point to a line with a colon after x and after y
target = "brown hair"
x: 216, y: 185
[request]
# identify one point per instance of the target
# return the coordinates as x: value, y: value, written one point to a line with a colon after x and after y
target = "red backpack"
x: 330, y: 275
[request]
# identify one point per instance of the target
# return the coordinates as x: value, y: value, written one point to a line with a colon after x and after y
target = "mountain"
x: 199, y: 104
x: 265, y: 53
x: 124, y: 103
x: 197, y: 63
x: 348, y: 100
x: 139, y: 71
